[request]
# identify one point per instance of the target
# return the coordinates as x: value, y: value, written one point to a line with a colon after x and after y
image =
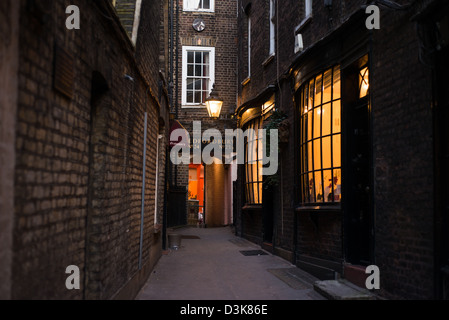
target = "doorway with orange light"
x: 196, y: 195
x: 210, y: 195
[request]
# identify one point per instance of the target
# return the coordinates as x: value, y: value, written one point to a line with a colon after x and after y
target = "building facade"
x: 203, y: 54
x: 361, y: 150
x: 84, y: 116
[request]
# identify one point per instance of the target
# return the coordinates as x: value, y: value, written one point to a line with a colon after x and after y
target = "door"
x: 357, y: 174
x: 442, y: 174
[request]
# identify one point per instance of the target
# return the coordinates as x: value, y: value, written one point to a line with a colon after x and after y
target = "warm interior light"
x: 364, y: 82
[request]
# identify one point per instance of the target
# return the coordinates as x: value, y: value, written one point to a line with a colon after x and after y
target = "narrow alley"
x: 297, y: 149
x: 210, y: 265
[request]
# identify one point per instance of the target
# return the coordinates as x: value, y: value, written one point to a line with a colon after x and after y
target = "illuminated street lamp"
x: 214, y: 104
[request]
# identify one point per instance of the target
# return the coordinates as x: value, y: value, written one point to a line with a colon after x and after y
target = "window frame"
x: 272, y: 17
x: 186, y: 8
x: 307, y: 139
x: 249, y: 183
x: 308, y: 8
x: 185, y: 51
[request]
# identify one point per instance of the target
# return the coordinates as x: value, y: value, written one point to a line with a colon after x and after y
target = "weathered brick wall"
x: 79, y: 164
x: 9, y: 58
x: 403, y: 153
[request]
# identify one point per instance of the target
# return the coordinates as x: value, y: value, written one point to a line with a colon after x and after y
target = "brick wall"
x: 403, y: 153
x: 79, y: 160
x: 9, y: 58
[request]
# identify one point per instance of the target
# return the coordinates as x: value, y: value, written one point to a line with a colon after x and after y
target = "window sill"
x: 319, y: 208
x: 303, y: 23
x: 193, y: 106
x: 246, y: 81
x: 200, y: 11
x: 269, y: 59
x: 248, y: 207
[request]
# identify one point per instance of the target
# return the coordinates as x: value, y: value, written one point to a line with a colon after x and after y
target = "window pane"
x: 205, y: 86
x: 198, y: 97
x: 318, y: 186
x: 311, y: 93
x: 189, y: 84
x: 328, y: 186
x: 310, y: 156
x: 306, y: 98
x: 327, y: 92
x: 317, y: 122
x: 337, y: 150
x: 318, y: 88
x: 364, y: 82
x: 327, y: 154
x: 198, y: 70
x: 311, y: 188
x: 255, y: 174
x: 190, y: 57
x: 260, y: 193
x: 336, y: 115
x: 316, y: 154
x: 309, y: 125
x: 189, y: 96
x: 206, y: 70
x: 304, y: 188
x: 337, y: 84
x: 190, y: 70
x: 206, y: 4
x: 337, y: 185
x: 255, y: 192
x: 254, y: 151
x: 198, y: 57
x: 326, y: 118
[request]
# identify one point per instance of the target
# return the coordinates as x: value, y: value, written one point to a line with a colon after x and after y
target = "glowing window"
x: 320, y: 138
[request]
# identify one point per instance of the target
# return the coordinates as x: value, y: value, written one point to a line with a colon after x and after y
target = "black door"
x: 442, y: 174
x: 268, y: 214
x: 357, y: 168
x: 177, y: 207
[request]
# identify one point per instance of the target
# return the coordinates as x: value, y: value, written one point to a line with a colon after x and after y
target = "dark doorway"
x: 177, y: 207
x: 96, y: 181
x: 268, y: 216
x: 357, y: 174
x: 442, y: 173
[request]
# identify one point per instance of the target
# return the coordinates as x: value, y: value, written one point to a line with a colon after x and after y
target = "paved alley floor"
x: 209, y: 265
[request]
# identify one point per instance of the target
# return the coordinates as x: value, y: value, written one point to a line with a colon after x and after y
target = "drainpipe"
x: 143, y: 189
x: 157, y: 180
x: 166, y: 183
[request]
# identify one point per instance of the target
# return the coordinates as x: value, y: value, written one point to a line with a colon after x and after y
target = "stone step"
x: 342, y: 290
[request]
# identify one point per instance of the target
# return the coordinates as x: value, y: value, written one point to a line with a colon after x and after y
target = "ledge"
x: 302, y: 24
x: 319, y: 208
x: 269, y: 59
x: 246, y: 81
x: 252, y: 207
